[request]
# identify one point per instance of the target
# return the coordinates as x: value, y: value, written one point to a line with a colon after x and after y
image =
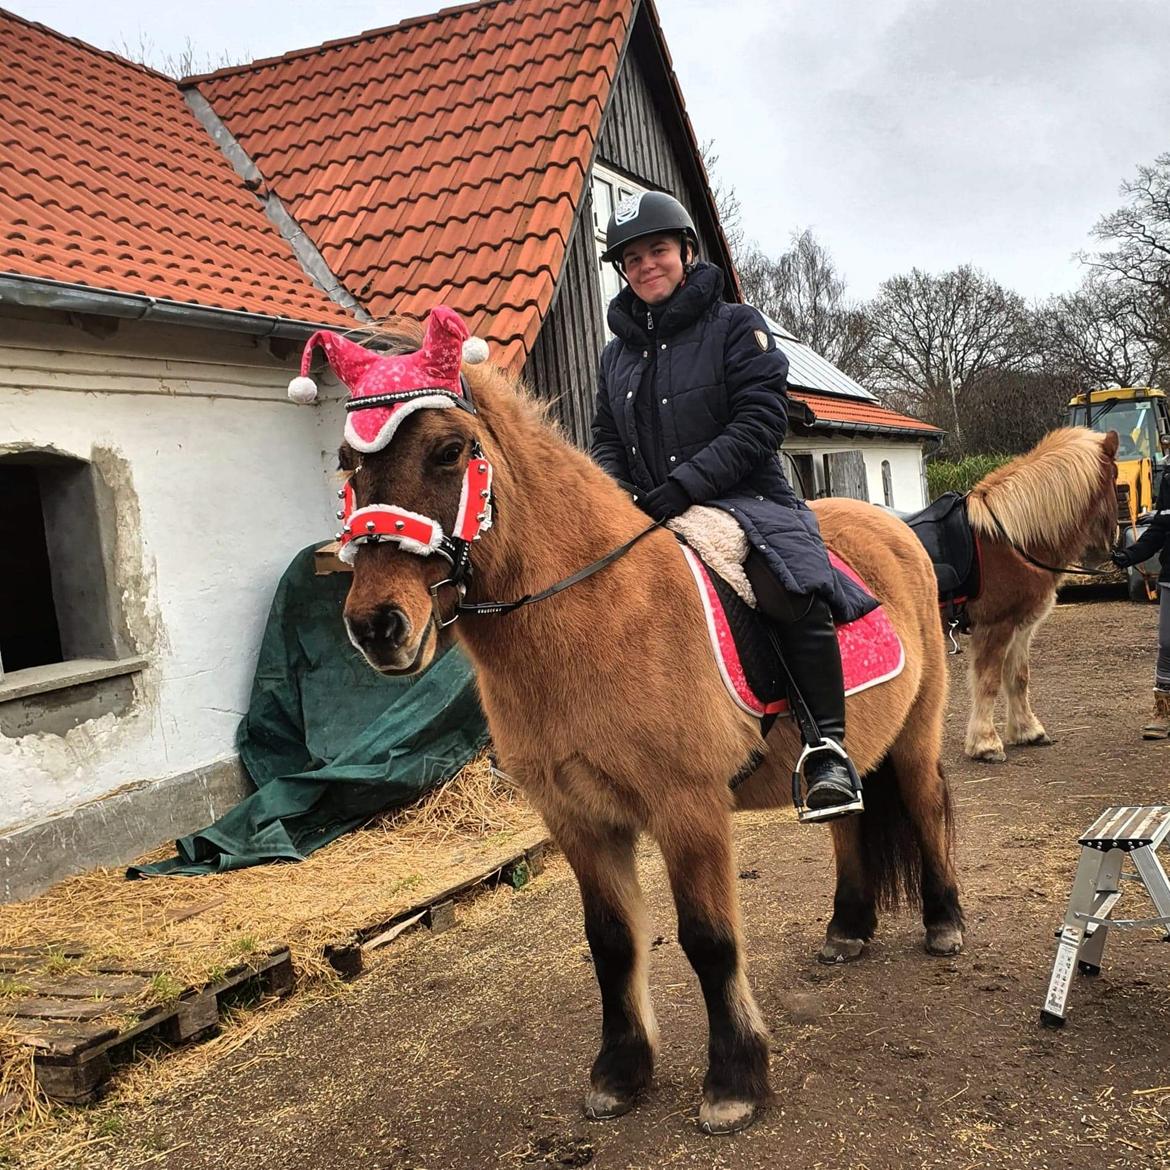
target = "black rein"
x: 1040, y: 564
x: 500, y: 607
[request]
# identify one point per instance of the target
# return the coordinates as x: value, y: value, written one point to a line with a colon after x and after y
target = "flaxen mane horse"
x: 605, y: 704
x: 1056, y: 505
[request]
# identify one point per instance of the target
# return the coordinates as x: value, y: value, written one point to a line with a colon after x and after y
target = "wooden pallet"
x: 66, y: 1019
x: 437, y: 912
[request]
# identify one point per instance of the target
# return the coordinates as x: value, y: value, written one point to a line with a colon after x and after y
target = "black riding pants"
x: 804, y: 627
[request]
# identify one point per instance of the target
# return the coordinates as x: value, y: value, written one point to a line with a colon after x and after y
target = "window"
x: 609, y: 189
x: 29, y: 634
x: 887, y: 483
x: 55, y: 595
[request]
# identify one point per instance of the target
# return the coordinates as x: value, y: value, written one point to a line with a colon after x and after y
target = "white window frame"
x: 608, y: 188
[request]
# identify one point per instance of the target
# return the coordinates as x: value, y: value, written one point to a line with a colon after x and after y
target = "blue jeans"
x: 1162, y: 669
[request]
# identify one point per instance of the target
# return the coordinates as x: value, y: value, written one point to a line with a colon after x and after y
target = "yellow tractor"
x: 1141, y: 418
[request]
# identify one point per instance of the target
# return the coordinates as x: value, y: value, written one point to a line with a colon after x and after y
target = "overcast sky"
x: 903, y: 132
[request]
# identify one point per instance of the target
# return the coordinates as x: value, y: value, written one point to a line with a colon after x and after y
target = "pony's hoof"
x: 989, y: 755
x: 602, y: 1106
x: 841, y: 950
x: 723, y: 1117
x: 1039, y: 739
x: 944, y: 940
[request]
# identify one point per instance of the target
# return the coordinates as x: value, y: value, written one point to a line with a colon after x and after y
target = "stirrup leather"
x: 800, y: 785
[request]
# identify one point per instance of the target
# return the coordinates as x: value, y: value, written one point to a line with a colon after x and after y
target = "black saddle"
x: 945, y: 532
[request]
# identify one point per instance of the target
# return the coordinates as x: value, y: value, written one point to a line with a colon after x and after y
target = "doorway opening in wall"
x: 54, y: 595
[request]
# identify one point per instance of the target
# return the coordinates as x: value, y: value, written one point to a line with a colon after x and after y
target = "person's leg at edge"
x: 1159, y: 725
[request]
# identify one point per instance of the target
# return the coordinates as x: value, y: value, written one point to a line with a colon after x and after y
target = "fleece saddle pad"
x: 871, y: 651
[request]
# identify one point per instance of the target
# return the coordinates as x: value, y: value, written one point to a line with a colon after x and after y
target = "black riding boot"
x: 804, y: 629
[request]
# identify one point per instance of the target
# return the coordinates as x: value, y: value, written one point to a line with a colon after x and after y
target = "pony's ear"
x: 347, y: 458
x: 1109, y: 443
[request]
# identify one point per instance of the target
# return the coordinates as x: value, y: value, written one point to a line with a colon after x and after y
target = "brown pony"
x: 606, y: 705
x: 1058, y: 505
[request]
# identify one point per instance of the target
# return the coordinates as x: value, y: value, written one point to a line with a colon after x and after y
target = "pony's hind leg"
x: 923, y: 789
x: 989, y: 643
x: 1023, y: 728
x: 696, y: 843
x: 854, y: 903
x: 602, y: 857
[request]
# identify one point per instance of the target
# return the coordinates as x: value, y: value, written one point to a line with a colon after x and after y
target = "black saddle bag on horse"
x: 945, y: 532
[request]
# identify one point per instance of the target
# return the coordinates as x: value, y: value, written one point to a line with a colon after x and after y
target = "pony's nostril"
x: 386, y: 625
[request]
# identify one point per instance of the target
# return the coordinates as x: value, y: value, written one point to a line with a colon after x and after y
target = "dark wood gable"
x: 645, y: 137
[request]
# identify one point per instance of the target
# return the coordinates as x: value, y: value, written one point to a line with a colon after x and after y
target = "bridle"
x: 425, y: 536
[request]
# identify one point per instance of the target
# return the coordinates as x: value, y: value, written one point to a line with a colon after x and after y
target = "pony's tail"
x: 890, y: 849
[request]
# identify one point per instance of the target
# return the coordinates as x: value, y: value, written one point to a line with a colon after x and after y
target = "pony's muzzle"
x: 381, y: 634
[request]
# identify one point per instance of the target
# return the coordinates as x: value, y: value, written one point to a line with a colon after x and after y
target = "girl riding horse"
x: 691, y: 409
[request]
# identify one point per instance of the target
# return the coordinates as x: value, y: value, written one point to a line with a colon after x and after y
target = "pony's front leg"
x: 988, y: 644
x: 1023, y: 728
x: 602, y: 857
x: 696, y: 842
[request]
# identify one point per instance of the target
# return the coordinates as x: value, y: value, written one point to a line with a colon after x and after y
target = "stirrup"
x: 799, y: 786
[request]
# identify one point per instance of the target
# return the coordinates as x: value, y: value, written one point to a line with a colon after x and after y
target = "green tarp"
x: 328, y: 741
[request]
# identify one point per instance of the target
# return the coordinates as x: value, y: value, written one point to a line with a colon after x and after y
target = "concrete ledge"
x: 116, y: 829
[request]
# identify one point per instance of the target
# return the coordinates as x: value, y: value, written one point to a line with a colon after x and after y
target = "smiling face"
x: 654, y: 267
x: 388, y: 610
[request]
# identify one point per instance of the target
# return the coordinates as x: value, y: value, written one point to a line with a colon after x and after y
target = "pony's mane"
x: 1044, y: 493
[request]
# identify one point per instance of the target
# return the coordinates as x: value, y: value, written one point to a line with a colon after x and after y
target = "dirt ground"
x: 471, y: 1049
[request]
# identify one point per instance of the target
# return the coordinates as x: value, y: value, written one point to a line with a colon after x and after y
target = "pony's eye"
x: 449, y: 454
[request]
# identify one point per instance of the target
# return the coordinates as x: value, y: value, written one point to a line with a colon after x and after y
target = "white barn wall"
x: 229, y: 480
x: 905, y: 459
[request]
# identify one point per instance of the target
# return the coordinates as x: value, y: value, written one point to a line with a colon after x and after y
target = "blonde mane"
x: 1043, y: 495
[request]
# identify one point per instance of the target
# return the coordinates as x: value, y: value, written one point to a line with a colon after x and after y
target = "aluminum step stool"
x: 1133, y: 831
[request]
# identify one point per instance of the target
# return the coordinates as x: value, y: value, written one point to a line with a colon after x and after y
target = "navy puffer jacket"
x: 720, y: 388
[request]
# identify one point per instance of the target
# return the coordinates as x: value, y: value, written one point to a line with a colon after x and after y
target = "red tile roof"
x: 108, y: 180
x: 853, y: 411
x: 442, y: 159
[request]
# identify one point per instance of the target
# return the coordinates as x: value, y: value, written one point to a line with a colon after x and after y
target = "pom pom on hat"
x: 475, y: 350
x: 386, y: 388
x: 302, y: 389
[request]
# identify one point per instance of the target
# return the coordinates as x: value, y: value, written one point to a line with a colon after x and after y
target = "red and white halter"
x: 419, y: 534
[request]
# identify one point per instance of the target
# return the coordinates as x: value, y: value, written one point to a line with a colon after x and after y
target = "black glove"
x: 1120, y: 559
x: 665, y: 501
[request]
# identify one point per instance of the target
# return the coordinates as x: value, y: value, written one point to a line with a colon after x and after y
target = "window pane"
x: 602, y: 205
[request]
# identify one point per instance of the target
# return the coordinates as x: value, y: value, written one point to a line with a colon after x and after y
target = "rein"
x: 501, y: 607
x: 1072, y: 569
x: 425, y: 537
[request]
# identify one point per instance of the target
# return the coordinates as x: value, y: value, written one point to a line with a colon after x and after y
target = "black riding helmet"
x: 646, y: 214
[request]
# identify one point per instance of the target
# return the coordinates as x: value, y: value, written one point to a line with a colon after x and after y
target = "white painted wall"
x: 231, y: 480
x: 905, y: 458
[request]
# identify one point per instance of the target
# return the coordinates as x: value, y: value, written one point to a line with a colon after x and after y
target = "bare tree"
x: 726, y: 200
x: 1009, y: 411
x: 805, y: 293
x: 1141, y: 230
x: 1108, y: 332
x: 932, y: 338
